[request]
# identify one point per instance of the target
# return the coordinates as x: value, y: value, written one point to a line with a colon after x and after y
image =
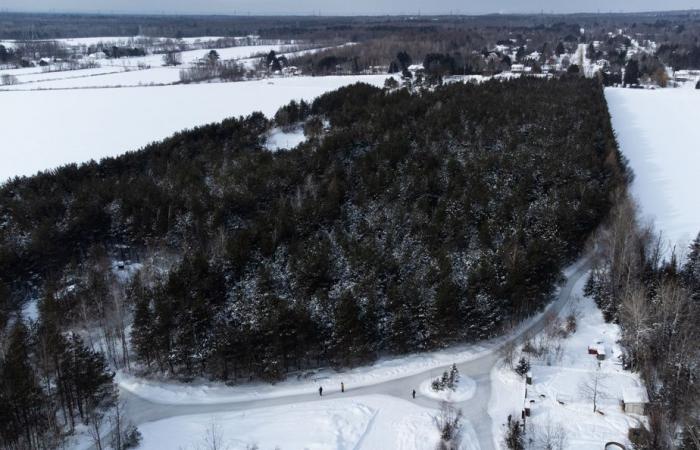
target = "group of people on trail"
x: 320, y: 389
x: 342, y: 389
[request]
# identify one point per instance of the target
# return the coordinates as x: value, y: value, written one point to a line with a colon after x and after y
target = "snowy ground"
x: 138, y: 71
x: 559, y: 388
x: 105, y: 76
x: 366, y: 422
x: 84, y: 124
x: 279, y: 139
x: 658, y: 132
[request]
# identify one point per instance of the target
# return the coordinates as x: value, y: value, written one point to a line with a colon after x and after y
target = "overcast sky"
x: 340, y: 7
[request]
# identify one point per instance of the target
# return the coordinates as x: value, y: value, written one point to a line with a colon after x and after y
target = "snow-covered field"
x: 560, y: 390
x: 138, y: 71
x: 45, y: 129
x: 367, y: 422
x: 28, y: 77
x: 132, y: 71
x: 105, y: 76
x: 658, y: 132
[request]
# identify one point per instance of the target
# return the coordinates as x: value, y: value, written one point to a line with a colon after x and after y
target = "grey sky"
x: 340, y: 7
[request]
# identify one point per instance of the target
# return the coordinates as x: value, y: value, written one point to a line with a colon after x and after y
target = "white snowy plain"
x: 125, y: 72
x: 658, y: 132
x: 367, y: 422
x: 45, y: 129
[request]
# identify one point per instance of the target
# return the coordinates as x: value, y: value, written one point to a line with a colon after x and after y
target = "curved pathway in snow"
x: 141, y: 410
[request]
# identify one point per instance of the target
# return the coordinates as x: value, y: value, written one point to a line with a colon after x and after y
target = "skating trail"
x: 141, y: 410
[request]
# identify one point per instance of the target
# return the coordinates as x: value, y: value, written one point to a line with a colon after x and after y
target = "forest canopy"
x: 406, y: 221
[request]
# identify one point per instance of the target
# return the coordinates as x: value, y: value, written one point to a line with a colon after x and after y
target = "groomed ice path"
x: 140, y: 410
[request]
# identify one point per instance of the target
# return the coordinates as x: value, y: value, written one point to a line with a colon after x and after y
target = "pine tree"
x: 691, y: 269
x: 142, y: 332
x: 349, y: 339
x: 404, y: 60
x: 23, y: 400
x: 514, y: 437
x: 632, y: 72
x: 523, y: 367
x: 92, y: 382
x: 447, y: 312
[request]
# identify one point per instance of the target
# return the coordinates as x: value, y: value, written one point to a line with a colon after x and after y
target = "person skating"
x: 414, y: 393
x: 320, y: 391
x: 342, y: 387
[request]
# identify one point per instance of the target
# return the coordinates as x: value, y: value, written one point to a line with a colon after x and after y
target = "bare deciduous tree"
x: 549, y: 436
x: 449, y: 424
x: 214, y: 436
x: 507, y: 352
x: 594, y: 388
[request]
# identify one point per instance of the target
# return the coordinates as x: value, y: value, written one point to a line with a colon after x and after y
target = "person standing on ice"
x: 414, y: 393
x: 342, y: 387
x: 320, y: 391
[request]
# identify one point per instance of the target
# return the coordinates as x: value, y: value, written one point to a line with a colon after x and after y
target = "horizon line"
x: 319, y: 13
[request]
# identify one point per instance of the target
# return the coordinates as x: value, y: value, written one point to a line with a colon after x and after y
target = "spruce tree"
x: 349, y: 334
x: 23, y: 399
x: 631, y: 72
x: 523, y: 367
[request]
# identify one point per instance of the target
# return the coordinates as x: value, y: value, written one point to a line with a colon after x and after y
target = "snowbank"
x: 658, y: 132
x: 279, y: 139
x: 368, y: 422
x: 464, y: 390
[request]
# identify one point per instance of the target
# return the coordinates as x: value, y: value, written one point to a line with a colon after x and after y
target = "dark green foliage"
x: 632, y: 72
x: 523, y: 367
x: 680, y: 56
x: 438, y: 64
x: 641, y: 439
x: 448, y: 380
x: 292, y: 113
x: 560, y: 49
x: 412, y: 222
x: 273, y: 62
x: 45, y: 374
x: 404, y: 60
x: 132, y: 438
x: 22, y: 416
x: 515, y: 437
x: 119, y: 52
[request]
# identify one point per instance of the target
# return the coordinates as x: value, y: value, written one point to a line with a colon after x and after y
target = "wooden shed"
x: 635, y: 400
